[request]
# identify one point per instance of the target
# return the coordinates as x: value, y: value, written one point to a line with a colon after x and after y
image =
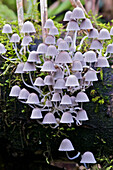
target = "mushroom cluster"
x: 67, y: 70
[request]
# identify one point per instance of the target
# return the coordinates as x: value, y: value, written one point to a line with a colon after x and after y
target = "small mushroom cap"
x: 67, y: 16
x: 51, y: 51
x: 33, y: 57
x: 42, y: 48
x: 102, y: 62
x: 82, y: 115
x: 96, y: 44
x: 7, y: 29
x: 36, y: 114
x: 56, y: 97
x: 86, y: 24
x: 63, y: 45
x: 49, y: 118
x: 104, y: 34
x: 28, y: 66
x: 82, y: 97
x: 66, y: 145
x: 73, y: 101
x: 48, y: 80
x: 39, y: 82
x: 111, y: 31
x: 58, y: 41
x: 28, y: 27
x: 109, y: 48
x: 15, y: 38
x: 88, y: 157
x: 26, y: 41
x: 68, y: 39
x: 66, y: 100
x: 48, y: 103
x: 78, y: 56
x: 19, y: 68
x: 93, y: 33
x: 72, y: 81
x: 49, y: 23
x: 78, y: 13
x: 77, y: 66
x: 32, y: 99
x: 78, y: 75
x: 15, y: 90
x: 72, y: 26
x: 90, y: 56
x: 50, y: 39
x: 48, y: 66
x: 53, y: 31
x: 63, y: 57
x: 2, y: 49
x: 60, y: 84
x: 66, y: 118
x: 59, y: 74
x: 23, y: 94
x: 90, y: 75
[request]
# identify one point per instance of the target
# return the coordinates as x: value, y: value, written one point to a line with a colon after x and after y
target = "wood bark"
x: 20, y: 14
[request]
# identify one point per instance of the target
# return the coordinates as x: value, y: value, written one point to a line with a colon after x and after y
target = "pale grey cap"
x: 90, y: 56
x: 28, y: 27
x: 78, y: 13
x: 36, y: 114
x: 26, y: 41
x: 19, y: 68
x: 33, y: 57
x: 102, y: 62
x: 23, y: 94
x: 63, y: 45
x: 109, y: 48
x: 82, y: 97
x: 78, y: 56
x: 2, y: 49
x: 60, y: 84
x: 66, y: 100
x: 59, y: 74
x: 51, y: 51
x: 50, y: 39
x: 15, y: 90
x: 88, y: 157
x: 93, y: 33
x: 90, y: 75
x: 67, y: 16
x: 56, y: 97
x: 49, y: 118
x: 96, y: 44
x: 82, y: 115
x: 63, y: 57
x: 39, y: 82
x: 49, y: 23
x: 66, y: 118
x: 48, y: 103
x: 48, y: 80
x: 29, y: 66
x: 78, y: 75
x: 58, y: 41
x: 42, y: 48
x: 86, y: 24
x: 72, y: 81
x: 66, y: 145
x: 32, y: 99
x: 111, y: 31
x: 72, y: 26
x: 48, y: 66
x: 77, y: 66
x: 53, y: 31
x: 15, y: 38
x: 104, y: 34
x: 7, y: 29
x: 68, y: 39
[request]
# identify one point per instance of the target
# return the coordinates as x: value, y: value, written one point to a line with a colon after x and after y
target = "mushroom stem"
x: 11, y: 59
x: 54, y: 127
x: 76, y: 156
x: 85, y: 166
x: 81, y: 42
x: 26, y: 103
x: 78, y: 123
x: 73, y: 44
x: 15, y: 48
x: 67, y: 69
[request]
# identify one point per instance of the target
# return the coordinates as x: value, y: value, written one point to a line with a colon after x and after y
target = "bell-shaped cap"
x: 15, y: 38
x: 42, y: 48
x: 96, y: 45
x: 72, y: 81
x: 67, y: 16
x: 78, y: 75
x: 102, y: 62
x: 60, y: 84
x: 90, y: 56
x: 82, y: 97
x: 63, y: 57
x: 82, y: 115
x: 49, y: 23
x: 32, y: 99
x: 68, y: 39
x: 78, y: 13
x: 66, y: 100
x: 26, y: 40
x: 19, y: 68
x: 56, y: 97
x: 111, y: 31
x: 58, y: 41
x: 109, y: 48
x: 48, y: 103
x: 2, y: 49
x: 63, y: 45
x: 49, y: 118
x: 51, y: 51
x: 78, y: 56
x: 66, y: 118
x: 88, y: 157
x: 53, y: 31
x: 77, y: 66
x: 15, y: 90
x: 7, y: 29
x: 72, y: 26
x: 48, y: 80
x: 39, y: 82
x: 50, y: 39
x: 73, y: 98
x: 104, y: 34
x: 28, y: 27
x: 48, y: 66
x: 23, y: 94
x: 66, y: 145
x: 59, y: 74
x: 33, y: 57
x: 86, y: 24
x: 28, y: 66
x: 93, y: 33
x: 36, y: 114
x: 90, y: 75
